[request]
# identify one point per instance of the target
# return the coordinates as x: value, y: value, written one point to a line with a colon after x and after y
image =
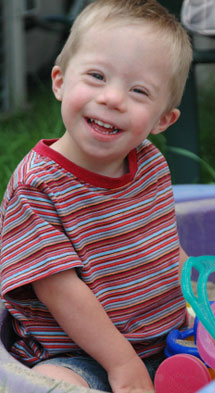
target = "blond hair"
x: 101, y: 12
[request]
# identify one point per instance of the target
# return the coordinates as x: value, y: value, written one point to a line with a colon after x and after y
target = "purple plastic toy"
x: 195, y: 213
x: 208, y: 389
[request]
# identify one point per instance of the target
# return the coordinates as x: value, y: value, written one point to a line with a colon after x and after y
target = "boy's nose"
x: 113, y: 98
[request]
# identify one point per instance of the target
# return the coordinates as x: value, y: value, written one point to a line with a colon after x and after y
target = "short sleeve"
x: 33, y: 241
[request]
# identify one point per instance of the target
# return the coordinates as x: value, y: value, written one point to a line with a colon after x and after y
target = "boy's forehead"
x: 104, y: 40
x: 99, y: 31
x: 100, y: 26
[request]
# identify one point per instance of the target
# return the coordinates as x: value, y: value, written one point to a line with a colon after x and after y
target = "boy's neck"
x: 112, y: 170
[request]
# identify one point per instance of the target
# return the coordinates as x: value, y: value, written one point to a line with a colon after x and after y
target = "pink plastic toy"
x: 206, y: 344
x: 181, y: 374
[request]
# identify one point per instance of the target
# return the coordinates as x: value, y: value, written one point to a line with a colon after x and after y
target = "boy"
x: 90, y: 250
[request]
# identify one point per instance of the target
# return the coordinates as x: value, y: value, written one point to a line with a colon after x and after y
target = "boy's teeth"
x: 105, y: 125
x: 100, y: 123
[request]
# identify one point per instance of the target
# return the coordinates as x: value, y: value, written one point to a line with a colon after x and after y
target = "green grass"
x: 20, y: 132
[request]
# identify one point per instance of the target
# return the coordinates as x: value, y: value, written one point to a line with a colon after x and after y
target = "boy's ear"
x: 57, y: 82
x: 166, y: 120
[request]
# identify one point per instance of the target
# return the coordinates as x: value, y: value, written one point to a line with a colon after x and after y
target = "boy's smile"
x: 114, y: 93
x: 102, y: 127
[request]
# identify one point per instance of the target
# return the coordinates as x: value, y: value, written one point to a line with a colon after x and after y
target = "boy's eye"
x: 96, y: 75
x: 140, y: 91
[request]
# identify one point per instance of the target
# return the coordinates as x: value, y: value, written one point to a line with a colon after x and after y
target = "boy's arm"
x: 79, y: 313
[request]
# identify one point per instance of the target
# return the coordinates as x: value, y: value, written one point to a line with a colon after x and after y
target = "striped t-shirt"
x: 119, y: 233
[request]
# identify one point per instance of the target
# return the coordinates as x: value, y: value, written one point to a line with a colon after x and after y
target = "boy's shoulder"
x: 36, y: 170
x: 148, y: 151
x: 33, y: 168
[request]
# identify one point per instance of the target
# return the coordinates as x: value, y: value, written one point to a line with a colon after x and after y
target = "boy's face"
x: 114, y: 94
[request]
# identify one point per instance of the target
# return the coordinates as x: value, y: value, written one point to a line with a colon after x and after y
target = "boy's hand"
x: 131, y: 377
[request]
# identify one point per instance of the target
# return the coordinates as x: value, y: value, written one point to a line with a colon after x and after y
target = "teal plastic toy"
x: 205, y: 265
